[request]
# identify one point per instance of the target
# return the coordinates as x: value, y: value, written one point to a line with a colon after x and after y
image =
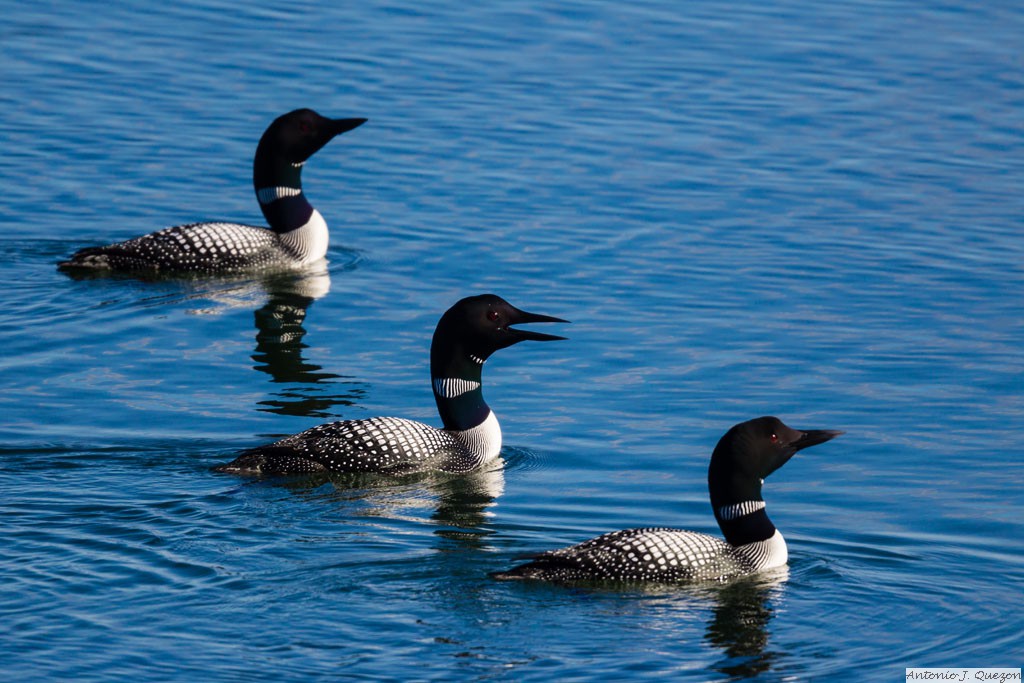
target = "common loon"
x: 297, y: 235
x: 467, y: 334
x: 747, y: 454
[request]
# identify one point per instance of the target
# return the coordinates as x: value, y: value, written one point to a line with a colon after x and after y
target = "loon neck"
x: 285, y: 208
x: 745, y: 522
x: 735, y: 491
x: 740, y: 513
x: 466, y: 416
x: 458, y: 391
x: 278, y: 185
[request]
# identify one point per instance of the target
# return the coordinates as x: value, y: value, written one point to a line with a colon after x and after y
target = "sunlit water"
x: 798, y: 209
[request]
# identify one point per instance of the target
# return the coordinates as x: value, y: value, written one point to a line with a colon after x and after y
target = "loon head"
x: 476, y: 327
x: 751, y: 451
x: 291, y: 140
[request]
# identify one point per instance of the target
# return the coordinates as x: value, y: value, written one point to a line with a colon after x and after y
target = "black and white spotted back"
x: 377, y: 444
x: 197, y: 247
x: 657, y: 555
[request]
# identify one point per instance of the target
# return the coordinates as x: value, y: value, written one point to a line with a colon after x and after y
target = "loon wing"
x: 390, y: 445
x: 631, y: 555
x: 196, y: 246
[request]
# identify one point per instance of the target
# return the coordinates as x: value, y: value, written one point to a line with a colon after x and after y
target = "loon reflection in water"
x: 308, y: 390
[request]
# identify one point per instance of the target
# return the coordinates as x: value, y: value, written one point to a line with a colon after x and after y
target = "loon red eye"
x: 305, y: 126
x: 493, y: 316
x: 775, y: 438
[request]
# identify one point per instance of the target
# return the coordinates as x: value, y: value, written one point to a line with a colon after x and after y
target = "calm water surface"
x: 798, y: 209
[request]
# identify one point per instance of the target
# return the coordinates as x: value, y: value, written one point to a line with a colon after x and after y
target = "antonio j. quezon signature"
x: 987, y: 675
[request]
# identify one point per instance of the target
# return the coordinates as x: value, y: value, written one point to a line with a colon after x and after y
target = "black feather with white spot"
x: 379, y: 444
x: 657, y: 555
x: 203, y: 248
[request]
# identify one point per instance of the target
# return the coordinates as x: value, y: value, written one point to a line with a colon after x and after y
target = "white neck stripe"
x: 266, y: 195
x: 450, y: 387
x: 729, y: 512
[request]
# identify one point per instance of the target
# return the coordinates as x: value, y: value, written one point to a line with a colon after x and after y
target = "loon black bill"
x: 521, y: 317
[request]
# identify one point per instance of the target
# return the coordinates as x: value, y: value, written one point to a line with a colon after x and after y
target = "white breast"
x: 310, y: 241
x: 484, y: 440
x: 771, y: 552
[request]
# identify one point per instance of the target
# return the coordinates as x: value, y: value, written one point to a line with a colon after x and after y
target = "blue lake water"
x: 802, y: 209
